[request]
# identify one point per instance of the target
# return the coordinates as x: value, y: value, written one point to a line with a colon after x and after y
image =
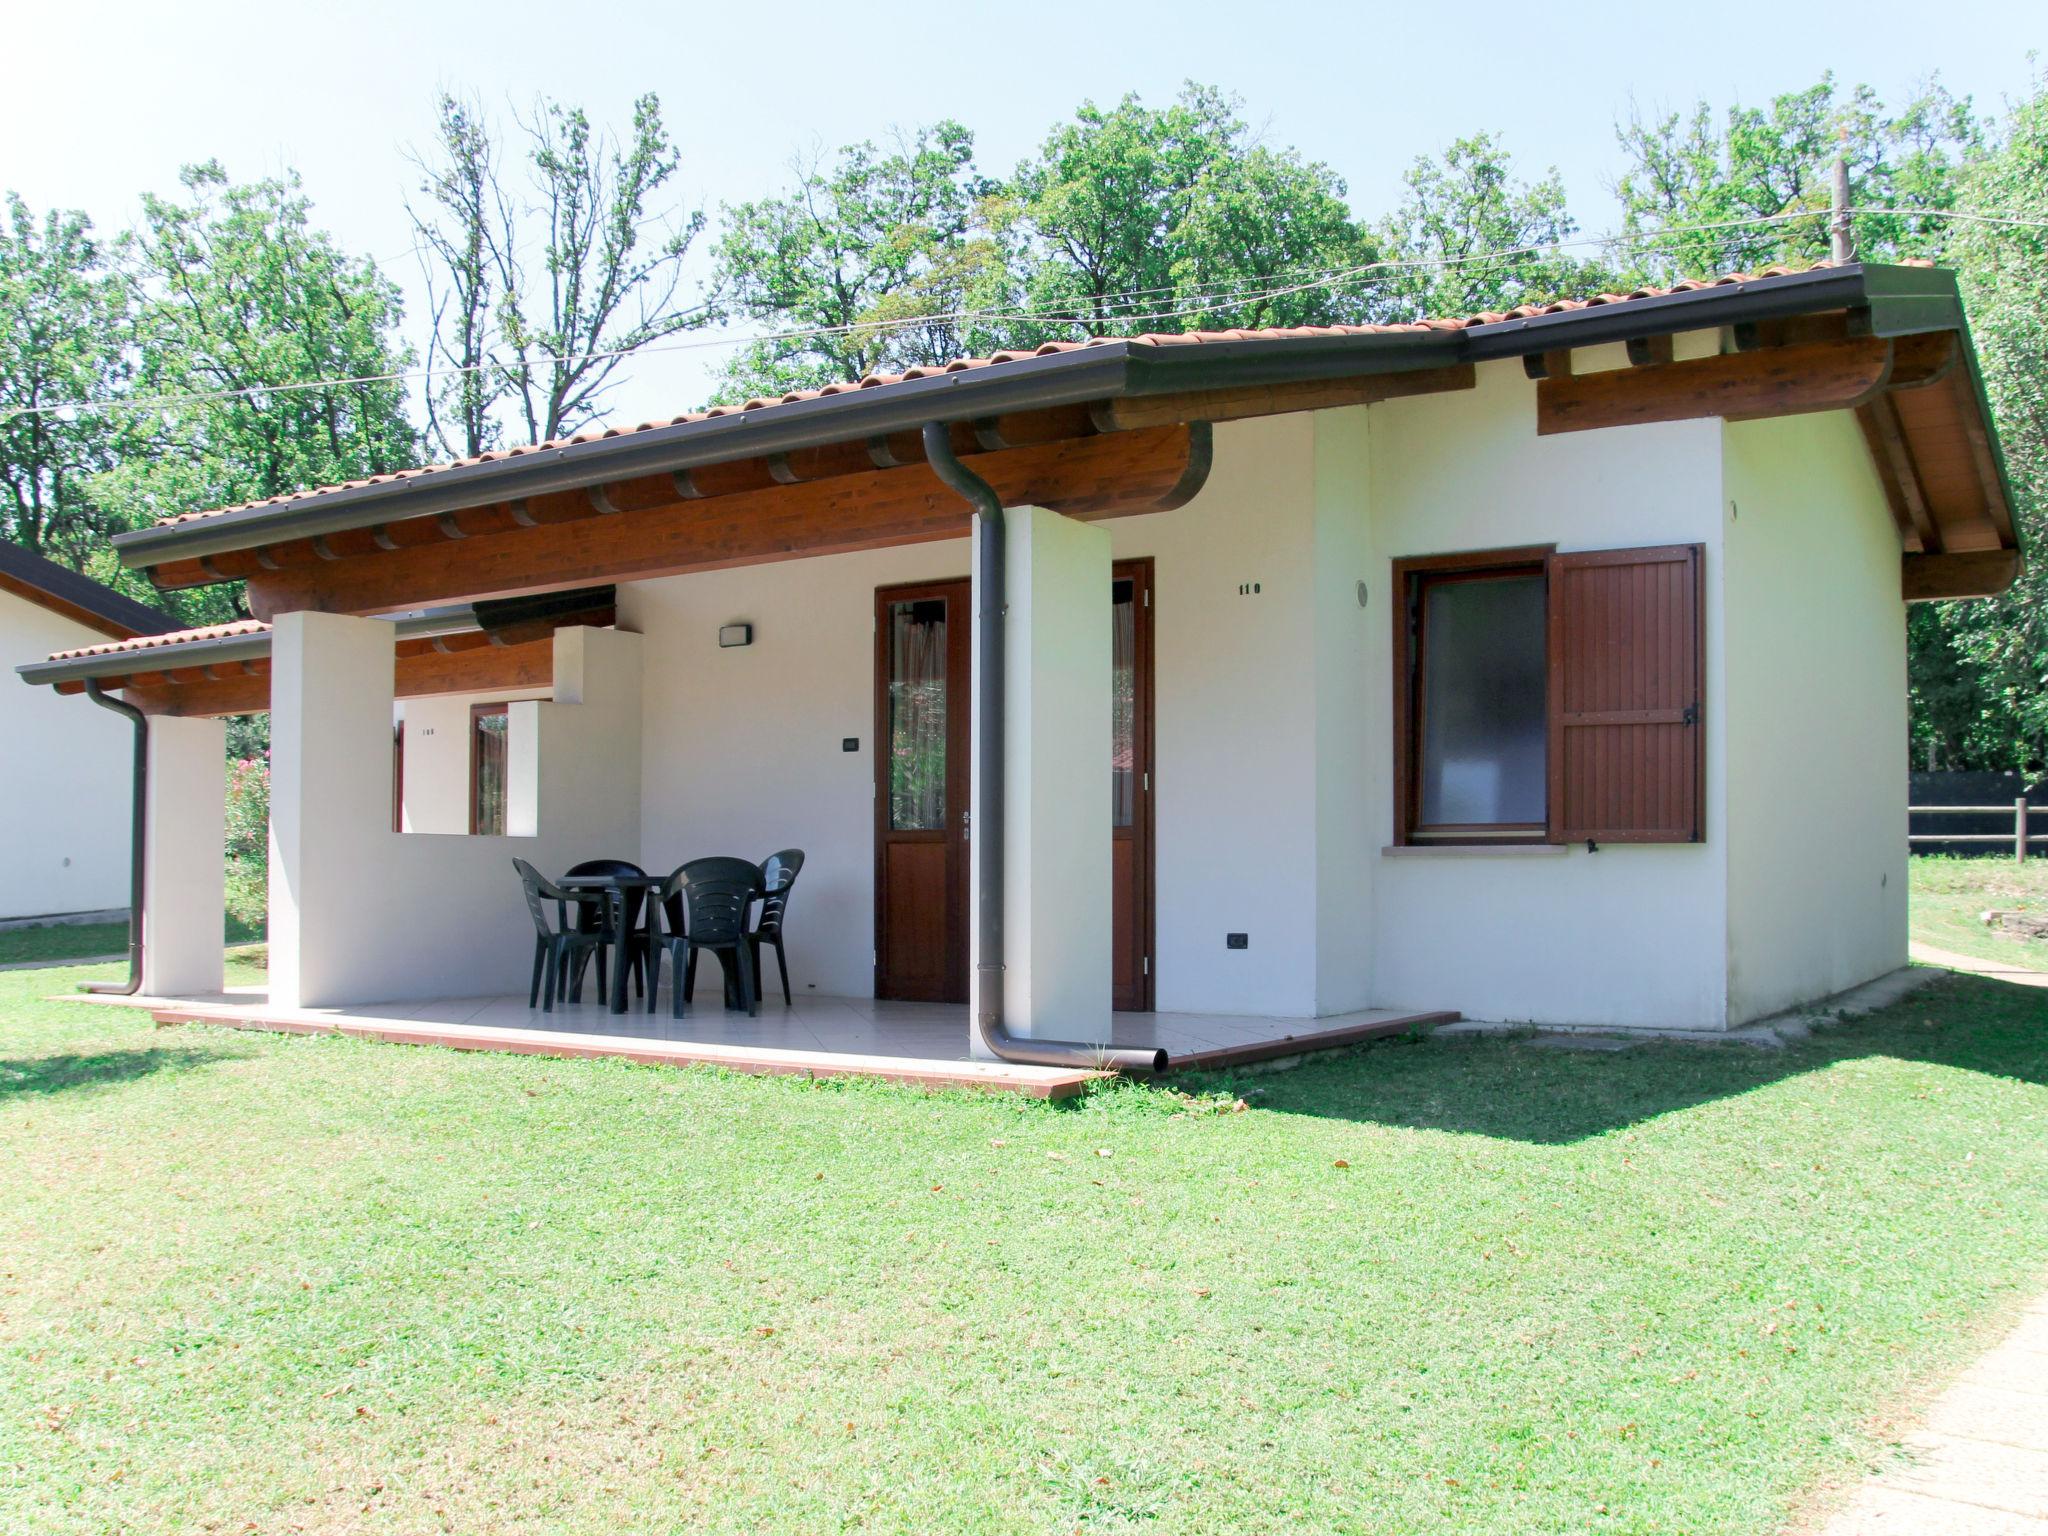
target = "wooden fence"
x: 2021, y: 835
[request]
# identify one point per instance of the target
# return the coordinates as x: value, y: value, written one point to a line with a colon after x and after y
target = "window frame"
x: 477, y: 713
x: 1412, y: 578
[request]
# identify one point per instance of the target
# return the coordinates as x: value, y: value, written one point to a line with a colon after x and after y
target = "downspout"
x: 991, y: 597
x: 137, y: 823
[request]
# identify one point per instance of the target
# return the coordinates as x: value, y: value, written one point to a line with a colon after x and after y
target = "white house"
x: 1545, y: 666
x: 64, y: 771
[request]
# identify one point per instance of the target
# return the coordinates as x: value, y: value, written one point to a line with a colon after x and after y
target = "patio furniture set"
x: 614, y: 912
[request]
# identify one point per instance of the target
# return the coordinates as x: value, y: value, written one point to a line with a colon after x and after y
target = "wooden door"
x: 1131, y: 786
x: 922, y: 715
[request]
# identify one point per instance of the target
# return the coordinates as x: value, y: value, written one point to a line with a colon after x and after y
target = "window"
x: 489, y: 726
x: 1547, y: 697
x: 917, y: 715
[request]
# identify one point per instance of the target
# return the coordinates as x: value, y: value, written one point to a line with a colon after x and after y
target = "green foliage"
x: 1168, y: 219
x: 856, y: 249
x: 545, y: 340
x: 63, y: 329
x: 248, y: 842
x: 1460, y: 208
x: 240, y: 304
x: 1980, y: 670
x: 1684, y: 171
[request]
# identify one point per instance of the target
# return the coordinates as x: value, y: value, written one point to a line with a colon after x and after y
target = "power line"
x: 1056, y: 314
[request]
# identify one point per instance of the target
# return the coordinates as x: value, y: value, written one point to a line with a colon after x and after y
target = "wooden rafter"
x: 708, y: 483
x: 1974, y: 573
x: 1088, y: 477
x: 471, y: 662
x: 1769, y: 381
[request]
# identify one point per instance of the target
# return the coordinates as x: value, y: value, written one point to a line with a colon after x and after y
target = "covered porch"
x: 924, y: 1044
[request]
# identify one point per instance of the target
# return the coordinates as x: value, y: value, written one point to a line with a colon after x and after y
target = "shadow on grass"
x: 1507, y: 1088
x: 26, y: 1075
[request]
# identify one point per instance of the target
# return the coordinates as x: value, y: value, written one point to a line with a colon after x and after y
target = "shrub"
x: 248, y: 843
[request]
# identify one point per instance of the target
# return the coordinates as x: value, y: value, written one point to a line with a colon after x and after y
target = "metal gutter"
x: 1112, y: 369
x: 138, y: 827
x: 1901, y: 300
x: 222, y: 650
x: 991, y: 604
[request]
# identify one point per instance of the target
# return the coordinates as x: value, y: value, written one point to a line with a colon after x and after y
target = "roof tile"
x: 1050, y: 348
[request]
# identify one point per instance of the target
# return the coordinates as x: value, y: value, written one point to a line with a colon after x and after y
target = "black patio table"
x: 616, y: 887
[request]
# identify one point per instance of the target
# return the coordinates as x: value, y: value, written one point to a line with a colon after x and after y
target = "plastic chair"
x: 560, y: 951
x: 704, y: 905
x: 778, y: 874
x: 591, y: 918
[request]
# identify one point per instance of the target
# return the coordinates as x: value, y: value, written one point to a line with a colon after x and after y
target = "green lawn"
x: 80, y: 941
x: 273, y: 1283
x: 1950, y: 896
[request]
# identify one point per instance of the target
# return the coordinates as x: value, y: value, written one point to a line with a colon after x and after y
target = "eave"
x: 863, y: 439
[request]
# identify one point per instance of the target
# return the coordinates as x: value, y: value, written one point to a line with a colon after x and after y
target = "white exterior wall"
x: 1816, y: 716
x: 1056, y: 754
x: 184, y: 890
x: 1274, y: 702
x: 360, y: 913
x: 434, y: 796
x: 64, y: 779
x: 742, y: 746
x: 1234, y: 771
x: 1626, y: 936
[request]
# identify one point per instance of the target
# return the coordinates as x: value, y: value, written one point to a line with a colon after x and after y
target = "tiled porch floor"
x: 817, y: 1036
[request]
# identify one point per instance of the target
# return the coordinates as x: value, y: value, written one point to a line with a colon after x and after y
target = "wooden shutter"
x: 1626, y: 694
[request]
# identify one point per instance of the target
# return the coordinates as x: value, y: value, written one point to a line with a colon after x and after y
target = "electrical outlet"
x: 1237, y: 941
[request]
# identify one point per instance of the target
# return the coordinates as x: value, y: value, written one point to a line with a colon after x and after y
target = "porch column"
x: 184, y: 872
x: 330, y: 797
x: 1056, y: 885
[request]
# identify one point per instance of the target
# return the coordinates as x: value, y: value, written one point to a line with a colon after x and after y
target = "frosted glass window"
x: 1483, y: 746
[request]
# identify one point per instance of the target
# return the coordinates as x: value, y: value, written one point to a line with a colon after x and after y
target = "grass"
x: 1949, y: 895
x: 273, y: 1283
x: 81, y: 941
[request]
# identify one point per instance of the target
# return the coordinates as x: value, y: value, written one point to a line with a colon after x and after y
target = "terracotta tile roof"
x: 232, y: 631
x: 997, y: 359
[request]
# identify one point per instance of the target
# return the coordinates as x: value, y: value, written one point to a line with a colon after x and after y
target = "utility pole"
x: 1840, y: 247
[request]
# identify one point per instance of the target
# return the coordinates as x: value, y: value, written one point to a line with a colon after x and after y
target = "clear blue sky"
x: 105, y: 100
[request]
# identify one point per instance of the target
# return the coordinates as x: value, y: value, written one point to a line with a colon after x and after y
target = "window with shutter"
x: 1626, y: 739
x: 1547, y: 697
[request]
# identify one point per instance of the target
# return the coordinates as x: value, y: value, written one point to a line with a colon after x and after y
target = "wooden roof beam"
x: 1090, y: 477
x: 1973, y: 573
x: 1770, y: 381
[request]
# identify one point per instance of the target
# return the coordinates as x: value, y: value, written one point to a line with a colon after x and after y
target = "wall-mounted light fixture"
x: 730, y: 635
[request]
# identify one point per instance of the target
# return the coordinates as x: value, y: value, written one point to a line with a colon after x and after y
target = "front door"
x: 922, y: 693
x: 922, y: 719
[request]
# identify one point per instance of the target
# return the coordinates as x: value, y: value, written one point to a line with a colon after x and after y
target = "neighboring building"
x: 64, y: 771
x: 1546, y: 666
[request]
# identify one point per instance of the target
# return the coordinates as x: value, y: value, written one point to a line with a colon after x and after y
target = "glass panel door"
x: 917, y: 715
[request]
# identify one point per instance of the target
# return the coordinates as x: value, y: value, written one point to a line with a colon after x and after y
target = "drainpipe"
x: 990, y: 589
x: 138, y: 823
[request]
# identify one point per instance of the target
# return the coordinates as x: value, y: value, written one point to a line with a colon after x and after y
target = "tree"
x: 266, y: 360
x: 1775, y: 164
x: 458, y: 263
x: 1168, y: 219
x: 1980, y: 670
x: 63, y: 327
x: 1469, y: 237
x: 870, y: 258
x: 545, y: 337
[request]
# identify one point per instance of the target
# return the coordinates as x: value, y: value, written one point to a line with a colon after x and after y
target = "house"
x: 1540, y: 666
x: 64, y: 771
